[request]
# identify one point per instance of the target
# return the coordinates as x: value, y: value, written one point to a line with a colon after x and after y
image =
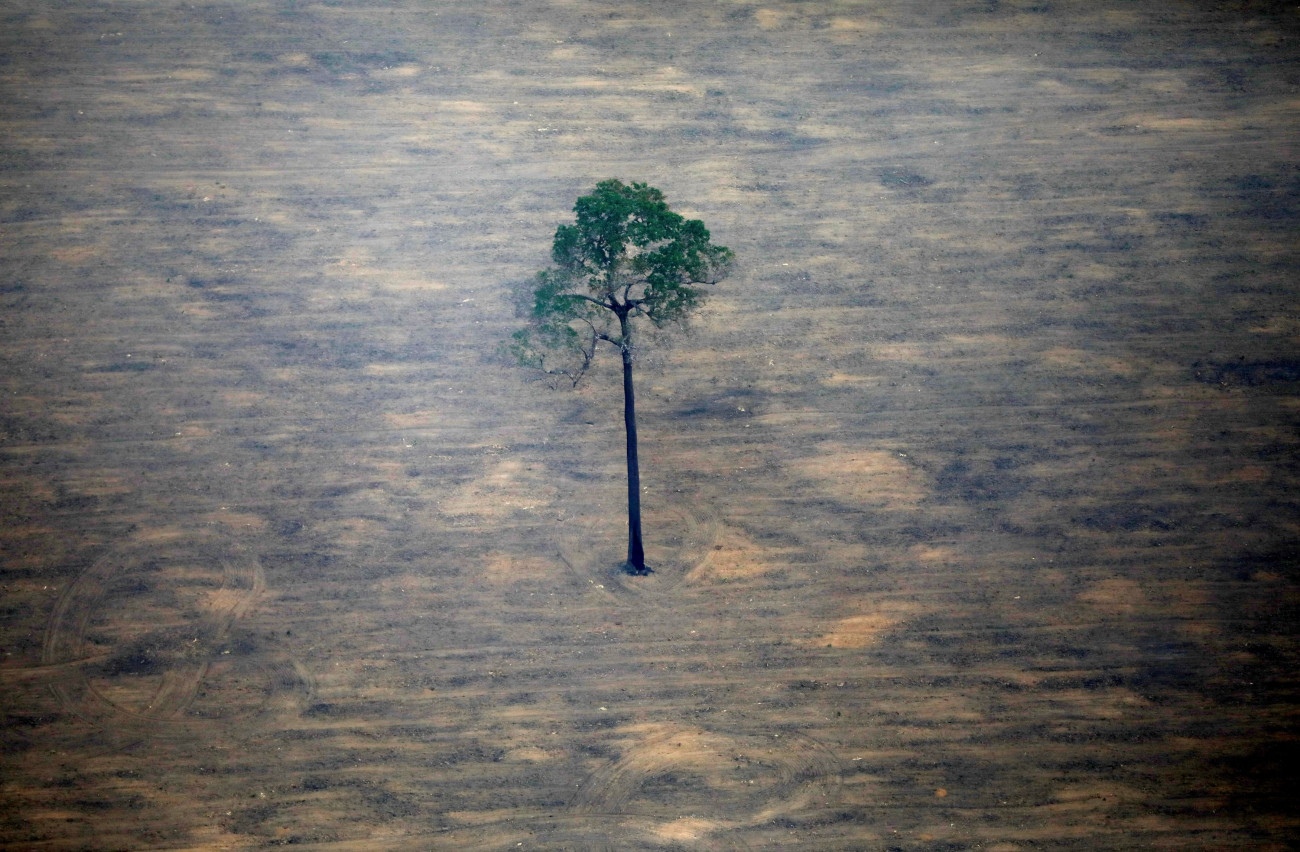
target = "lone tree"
x: 626, y: 258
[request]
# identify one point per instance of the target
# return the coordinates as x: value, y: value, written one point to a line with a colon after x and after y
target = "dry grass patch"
x: 866, y: 629
x: 1081, y: 361
x: 503, y: 569
x: 734, y: 557
x: 509, y: 485
x: 876, y: 478
x: 685, y: 830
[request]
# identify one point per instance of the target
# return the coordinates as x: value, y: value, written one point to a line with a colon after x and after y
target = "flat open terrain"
x: 974, y: 493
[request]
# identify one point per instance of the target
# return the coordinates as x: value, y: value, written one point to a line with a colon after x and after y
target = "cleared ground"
x: 973, y: 494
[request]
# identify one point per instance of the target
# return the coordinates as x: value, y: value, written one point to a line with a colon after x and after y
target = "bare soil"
x: 972, y: 496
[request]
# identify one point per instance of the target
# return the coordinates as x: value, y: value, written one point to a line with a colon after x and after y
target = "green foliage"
x: 626, y: 256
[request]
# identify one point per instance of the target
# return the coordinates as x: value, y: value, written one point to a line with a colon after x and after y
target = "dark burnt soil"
x: 971, y: 497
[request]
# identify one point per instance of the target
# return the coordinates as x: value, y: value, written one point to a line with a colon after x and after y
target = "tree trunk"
x: 635, y: 550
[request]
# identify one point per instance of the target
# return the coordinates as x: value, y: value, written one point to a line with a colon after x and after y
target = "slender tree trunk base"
x: 635, y: 564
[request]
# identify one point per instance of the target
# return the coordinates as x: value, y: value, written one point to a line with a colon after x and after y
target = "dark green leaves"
x: 626, y: 235
x: 627, y: 255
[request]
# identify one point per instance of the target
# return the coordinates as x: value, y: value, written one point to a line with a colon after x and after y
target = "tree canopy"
x: 627, y: 256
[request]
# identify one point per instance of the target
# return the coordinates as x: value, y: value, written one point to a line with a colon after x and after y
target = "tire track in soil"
x: 595, y: 557
x: 728, y: 777
x: 139, y: 644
